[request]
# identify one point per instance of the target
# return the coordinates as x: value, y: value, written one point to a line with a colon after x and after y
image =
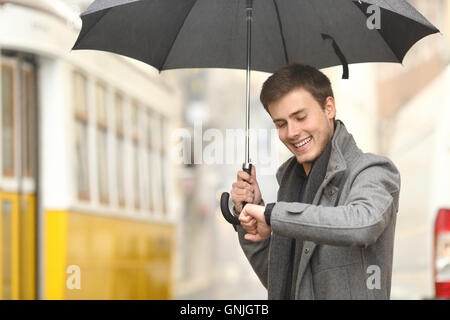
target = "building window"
x: 8, y: 120
x: 120, y: 142
x: 102, y: 142
x: 81, y: 135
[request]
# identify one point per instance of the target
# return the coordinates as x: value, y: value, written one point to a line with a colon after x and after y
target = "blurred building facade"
x: 414, y: 109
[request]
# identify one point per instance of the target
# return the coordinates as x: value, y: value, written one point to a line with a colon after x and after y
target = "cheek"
x: 281, y: 135
x: 308, y: 125
x: 314, y: 127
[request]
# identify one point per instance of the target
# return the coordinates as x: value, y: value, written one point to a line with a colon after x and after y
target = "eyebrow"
x: 293, y: 114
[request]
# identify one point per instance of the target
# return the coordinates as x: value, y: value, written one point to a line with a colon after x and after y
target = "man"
x: 330, y: 235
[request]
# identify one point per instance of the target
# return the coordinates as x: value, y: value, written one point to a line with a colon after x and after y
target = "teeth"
x: 303, y: 142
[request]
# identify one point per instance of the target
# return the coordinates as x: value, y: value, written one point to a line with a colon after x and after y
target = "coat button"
x: 306, y: 250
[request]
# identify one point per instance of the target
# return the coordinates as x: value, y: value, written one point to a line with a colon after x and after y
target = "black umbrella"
x: 171, y: 34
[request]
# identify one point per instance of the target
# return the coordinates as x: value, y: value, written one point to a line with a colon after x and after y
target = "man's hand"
x: 245, y: 189
x: 253, y: 221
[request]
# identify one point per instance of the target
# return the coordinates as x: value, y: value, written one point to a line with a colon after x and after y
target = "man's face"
x: 303, y: 125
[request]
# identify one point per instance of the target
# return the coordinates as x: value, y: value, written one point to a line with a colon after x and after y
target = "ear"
x: 330, y: 108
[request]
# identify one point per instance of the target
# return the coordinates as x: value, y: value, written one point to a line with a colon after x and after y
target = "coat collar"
x: 343, y: 149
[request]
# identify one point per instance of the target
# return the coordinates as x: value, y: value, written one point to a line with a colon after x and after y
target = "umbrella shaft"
x: 249, y: 10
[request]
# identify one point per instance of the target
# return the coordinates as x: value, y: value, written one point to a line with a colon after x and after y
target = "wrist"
x: 268, y: 212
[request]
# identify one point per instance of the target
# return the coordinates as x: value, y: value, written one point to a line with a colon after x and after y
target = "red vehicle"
x: 442, y: 254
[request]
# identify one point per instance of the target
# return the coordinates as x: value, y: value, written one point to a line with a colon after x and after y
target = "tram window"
x: 156, y: 162
x: 135, y: 138
x: 120, y: 172
x: 81, y: 134
x: 136, y: 175
x: 82, y: 161
x: 8, y: 126
x: 135, y: 120
x: 156, y: 136
x: 164, y: 164
x: 100, y: 100
x: 29, y: 108
x: 102, y: 133
x: 102, y: 166
x: 118, y: 101
x: 80, y: 95
x: 149, y: 161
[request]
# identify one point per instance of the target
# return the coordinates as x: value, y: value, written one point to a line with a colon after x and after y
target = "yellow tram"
x: 85, y: 178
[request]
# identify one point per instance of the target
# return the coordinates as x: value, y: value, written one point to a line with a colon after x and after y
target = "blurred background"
x: 104, y: 193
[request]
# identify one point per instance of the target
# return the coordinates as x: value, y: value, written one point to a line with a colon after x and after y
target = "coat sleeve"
x: 257, y: 253
x: 367, y: 211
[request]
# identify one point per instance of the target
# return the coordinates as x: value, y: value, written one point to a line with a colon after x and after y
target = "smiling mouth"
x: 302, y: 145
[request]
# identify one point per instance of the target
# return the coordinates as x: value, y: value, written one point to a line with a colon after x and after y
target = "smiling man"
x: 330, y: 235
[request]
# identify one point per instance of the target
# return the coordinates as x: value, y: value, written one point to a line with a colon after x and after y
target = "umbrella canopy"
x: 170, y: 34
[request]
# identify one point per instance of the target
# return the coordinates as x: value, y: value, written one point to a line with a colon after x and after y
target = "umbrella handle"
x: 225, y: 198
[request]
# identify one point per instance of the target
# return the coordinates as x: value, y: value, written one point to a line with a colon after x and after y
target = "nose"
x: 293, y: 131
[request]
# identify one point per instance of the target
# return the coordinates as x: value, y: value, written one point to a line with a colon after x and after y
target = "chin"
x: 306, y: 158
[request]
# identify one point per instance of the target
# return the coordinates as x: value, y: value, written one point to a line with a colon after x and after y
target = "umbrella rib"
x: 104, y: 12
x: 378, y: 31
x: 400, y: 60
x: 281, y: 32
x: 176, y: 37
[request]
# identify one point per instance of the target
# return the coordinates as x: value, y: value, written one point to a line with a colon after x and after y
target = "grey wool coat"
x: 347, y: 232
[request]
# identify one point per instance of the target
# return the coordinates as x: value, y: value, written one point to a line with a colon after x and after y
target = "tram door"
x: 17, y: 176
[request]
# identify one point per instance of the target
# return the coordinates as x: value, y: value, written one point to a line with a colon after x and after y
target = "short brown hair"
x: 293, y: 76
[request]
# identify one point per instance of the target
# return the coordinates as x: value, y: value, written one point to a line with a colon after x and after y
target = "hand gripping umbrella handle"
x: 225, y: 198
x: 247, y: 166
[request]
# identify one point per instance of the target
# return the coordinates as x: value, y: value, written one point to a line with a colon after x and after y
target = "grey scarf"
x: 313, y: 182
